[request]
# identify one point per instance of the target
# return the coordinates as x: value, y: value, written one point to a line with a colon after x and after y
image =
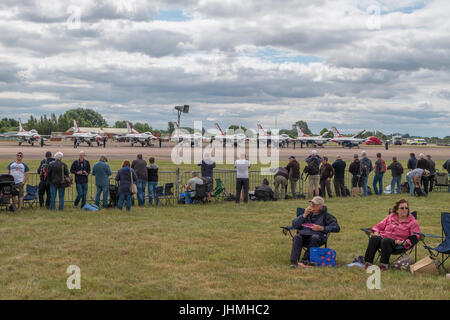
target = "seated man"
x: 190, y: 187
x: 320, y: 222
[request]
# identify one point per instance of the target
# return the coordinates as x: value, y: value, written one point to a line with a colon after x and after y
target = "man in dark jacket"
x: 424, y: 164
x: 44, y: 187
x: 313, y: 171
x: 56, y: 169
x: 366, y: 169
x: 339, y: 175
x: 380, y: 169
x: 412, y: 161
x: 140, y: 168
x: 326, y: 174
x: 152, y: 176
x: 397, y: 171
x: 293, y: 168
x: 320, y: 222
x: 281, y: 179
x: 432, y: 165
x: 81, y: 168
x: 355, y: 170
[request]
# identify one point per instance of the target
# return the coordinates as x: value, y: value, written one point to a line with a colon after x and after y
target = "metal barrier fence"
x: 228, y: 178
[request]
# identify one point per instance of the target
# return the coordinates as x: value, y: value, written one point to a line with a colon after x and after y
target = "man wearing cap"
x: 293, y: 168
x: 413, y: 178
x: 19, y: 171
x: 313, y: 224
x: 101, y: 171
x: 44, y: 186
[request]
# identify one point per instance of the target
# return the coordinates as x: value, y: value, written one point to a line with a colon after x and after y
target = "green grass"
x: 215, y: 251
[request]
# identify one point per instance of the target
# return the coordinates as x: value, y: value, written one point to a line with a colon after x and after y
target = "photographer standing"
x: 81, y: 168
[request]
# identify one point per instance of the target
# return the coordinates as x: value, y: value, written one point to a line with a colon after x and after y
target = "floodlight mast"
x: 180, y: 109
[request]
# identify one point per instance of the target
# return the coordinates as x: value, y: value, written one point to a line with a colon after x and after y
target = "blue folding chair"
x: 32, y: 194
x: 444, y: 247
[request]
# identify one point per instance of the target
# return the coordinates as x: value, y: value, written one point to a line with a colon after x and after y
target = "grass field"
x: 214, y: 251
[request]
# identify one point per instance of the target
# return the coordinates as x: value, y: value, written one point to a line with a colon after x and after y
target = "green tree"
x: 323, y: 131
x: 120, y: 124
x: 86, y: 118
x: 142, y: 127
x: 303, y: 125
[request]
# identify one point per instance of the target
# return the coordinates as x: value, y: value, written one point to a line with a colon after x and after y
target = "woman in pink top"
x: 393, y: 231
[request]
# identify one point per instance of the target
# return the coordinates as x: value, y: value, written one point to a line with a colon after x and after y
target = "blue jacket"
x: 124, y: 178
x: 339, y: 169
x: 101, y: 171
x: 323, y: 218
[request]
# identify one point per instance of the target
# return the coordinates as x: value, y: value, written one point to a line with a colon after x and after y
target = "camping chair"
x: 220, y: 188
x: 289, y: 230
x: 441, y: 181
x: 444, y: 247
x: 6, y: 190
x: 200, y: 193
x: 168, y: 194
x: 399, y: 250
x: 159, y: 193
x: 31, y: 197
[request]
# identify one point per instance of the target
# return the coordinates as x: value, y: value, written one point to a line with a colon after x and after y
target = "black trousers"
x: 300, y: 241
x: 424, y: 181
x: 43, y: 189
x: 387, y: 245
x: 431, y: 179
x: 325, y: 183
x: 242, y: 183
x: 339, y: 187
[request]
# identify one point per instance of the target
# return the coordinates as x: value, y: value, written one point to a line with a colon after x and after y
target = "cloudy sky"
x: 372, y: 64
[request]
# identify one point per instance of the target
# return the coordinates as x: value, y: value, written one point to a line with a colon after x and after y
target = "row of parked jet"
x: 179, y: 135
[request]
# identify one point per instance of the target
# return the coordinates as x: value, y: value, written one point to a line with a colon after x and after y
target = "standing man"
x: 386, y: 145
x: 326, y: 174
x: 355, y: 170
x: 380, y: 169
x: 313, y: 171
x: 44, y: 186
x: 104, y: 146
x: 42, y: 142
x: 140, y: 168
x: 19, y: 171
x: 281, y: 179
x: 242, y: 182
x: 432, y: 165
x: 397, y: 171
x: 207, y: 165
x: 425, y: 165
x: 101, y: 171
x: 152, y: 177
x: 81, y: 168
x: 366, y: 169
x: 446, y: 166
x: 339, y: 175
x: 57, y: 170
x: 412, y: 161
x: 293, y: 168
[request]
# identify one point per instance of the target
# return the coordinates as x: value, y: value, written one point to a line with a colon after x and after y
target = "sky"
x: 354, y: 64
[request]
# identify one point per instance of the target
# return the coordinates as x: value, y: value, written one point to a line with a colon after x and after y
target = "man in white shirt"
x: 242, y: 181
x: 19, y: 171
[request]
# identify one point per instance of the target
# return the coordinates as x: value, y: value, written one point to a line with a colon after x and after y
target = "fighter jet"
x: 133, y: 136
x: 179, y: 135
x: 265, y: 136
x: 348, y: 141
x: 80, y: 137
x: 230, y: 138
x: 308, y: 140
x: 31, y: 136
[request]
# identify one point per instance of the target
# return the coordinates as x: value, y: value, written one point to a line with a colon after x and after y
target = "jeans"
x: 242, y: 183
x: 141, y: 184
x: 299, y: 242
x: 44, y: 188
x: 82, y: 189
x: 293, y: 182
x: 105, y: 190
x: 53, y: 191
x: 398, y: 181
x: 387, y: 245
x: 378, y: 179
x: 152, y: 192
x: 365, y: 180
x: 411, y: 185
x: 188, y: 198
x: 122, y: 198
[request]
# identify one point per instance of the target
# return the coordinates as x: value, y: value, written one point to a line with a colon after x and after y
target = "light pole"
x: 180, y: 110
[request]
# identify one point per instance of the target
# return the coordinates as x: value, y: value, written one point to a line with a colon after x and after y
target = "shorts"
x: 209, y: 183
x: 19, y: 188
x: 314, y: 182
x: 357, y: 181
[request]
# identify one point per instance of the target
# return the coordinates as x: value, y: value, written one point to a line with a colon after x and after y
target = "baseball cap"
x: 292, y: 157
x: 48, y: 154
x: 318, y: 201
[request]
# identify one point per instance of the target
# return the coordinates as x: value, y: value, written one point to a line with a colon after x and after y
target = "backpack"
x: 44, y: 170
x: 264, y: 195
x: 312, y: 168
x: 405, y: 187
x: 383, y: 166
x: 364, y: 170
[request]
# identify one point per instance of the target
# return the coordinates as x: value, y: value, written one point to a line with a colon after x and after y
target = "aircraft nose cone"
x: 38, y: 137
